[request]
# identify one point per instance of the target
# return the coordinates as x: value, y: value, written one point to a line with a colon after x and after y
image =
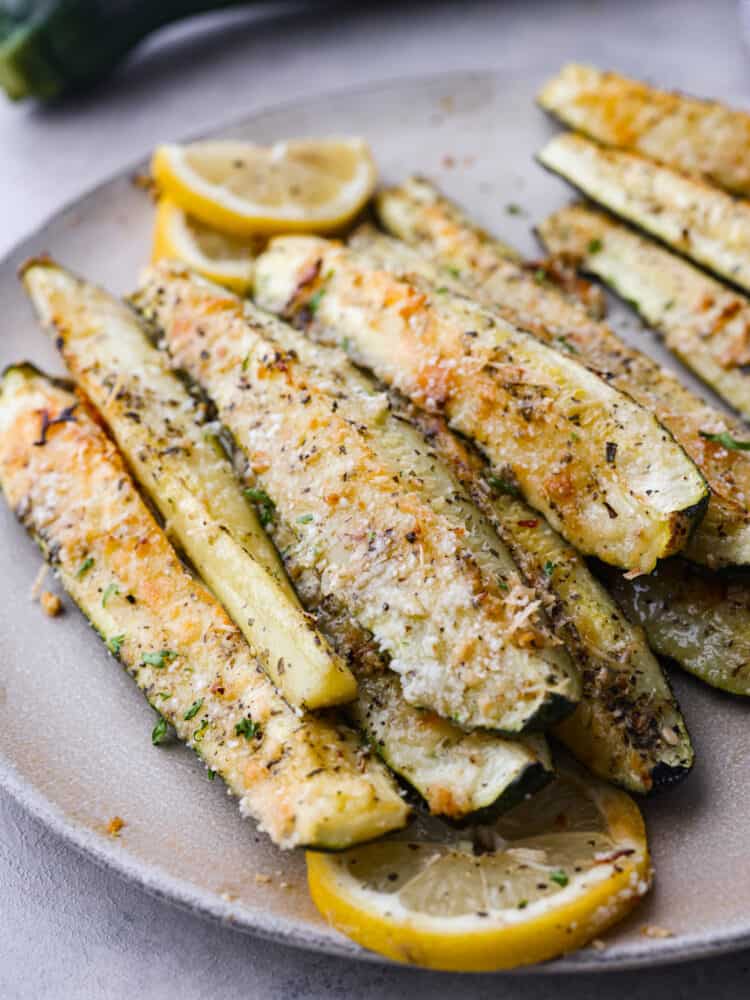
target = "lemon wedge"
x: 304, y: 185
x: 227, y: 260
x: 544, y: 879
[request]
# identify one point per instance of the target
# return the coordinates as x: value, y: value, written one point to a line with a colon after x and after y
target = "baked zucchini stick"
x: 723, y: 536
x: 188, y: 477
x: 704, y: 323
x: 599, y: 466
x: 105, y: 346
x: 627, y: 727
x: 703, y: 138
x: 694, y: 218
x: 304, y: 779
x: 470, y: 651
x: 699, y: 619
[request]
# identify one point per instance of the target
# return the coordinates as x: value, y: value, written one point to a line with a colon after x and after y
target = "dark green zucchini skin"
x: 51, y: 47
x: 697, y: 618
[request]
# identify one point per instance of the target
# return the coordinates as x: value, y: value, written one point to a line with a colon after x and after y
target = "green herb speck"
x: 115, y: 643
x: 726, y: 440
x: 193, y: 710
x: 160, y: 731
x: 305, y: 519
x: 595, y: 245
x: 549, y: 568
x: 560, y: 878
x: 264, y: 504
x: 211, y: 774
x: 246, y: 728
x: 159, y: 659
x: 85, y: 566
x: 111, y: 590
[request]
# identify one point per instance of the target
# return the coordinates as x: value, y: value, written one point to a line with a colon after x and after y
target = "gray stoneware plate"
x: 75, y: 742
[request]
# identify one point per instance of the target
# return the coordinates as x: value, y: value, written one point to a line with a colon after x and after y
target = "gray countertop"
x: 67, y: 928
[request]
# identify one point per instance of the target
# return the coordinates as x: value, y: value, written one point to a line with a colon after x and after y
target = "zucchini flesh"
x: 694, y: 218
x: 697, y: 618
x: 188, y: 477
x: 542, y: 419
x: 704, y: 323
x: 704, y: 138
x: 627, y: 727
x: 723, y: 536
x: 458, y: 774
x: 304, y: 779
x: 462, y: 650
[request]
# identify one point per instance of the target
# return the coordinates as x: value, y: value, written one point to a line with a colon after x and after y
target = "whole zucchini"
x: 50, y: 47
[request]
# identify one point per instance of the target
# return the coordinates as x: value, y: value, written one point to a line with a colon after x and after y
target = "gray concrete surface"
x: 67, y: 929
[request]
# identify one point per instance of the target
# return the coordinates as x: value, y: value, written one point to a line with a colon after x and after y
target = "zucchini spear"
x: 452, y: 246
x: 704, y: 323
x: 304, y: 779
x: 704, y: 138
x: 600, y: 467
x: 189, y: 478
x: 473, y: 650
x: 699, y: 619
x: 628, y: 727
x: 694, y: 218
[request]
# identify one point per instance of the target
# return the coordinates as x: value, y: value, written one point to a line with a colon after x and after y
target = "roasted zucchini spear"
x: 704, y: 138
x: 692, y: 217
x: 704, y: 323
x: 304, y: 779
x: 627, y: 727
x: 472, y: 651
x: 598, y: 465
x: 699, y: 619
x: 100, y: 339
x: 189, y: 478
x: 418, y: 214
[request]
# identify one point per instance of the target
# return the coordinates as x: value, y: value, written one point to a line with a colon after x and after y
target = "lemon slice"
x: 227, y: 260
x: 303, y: 185
x: 547, y: 877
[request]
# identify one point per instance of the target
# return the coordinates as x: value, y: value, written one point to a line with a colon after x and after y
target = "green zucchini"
x: 627, y: 727
x: 692, y: 217
x: 470, y: 651
x: 598, y: 465
x: 176, y: 459
x: 704, y: 323
x: 424, y: 217
x: 50, y: 47
x: 699, y: 619
x: 704, y: 138
x: 304, y: 779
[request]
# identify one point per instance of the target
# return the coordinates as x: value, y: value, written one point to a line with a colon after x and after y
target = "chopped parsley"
x: 315, y: 299
x: 513, y: 209
x: 193, y: 710
x: 115, y: 643
x: 159, y: 659
x: 595, y: 245
x: 163, y: 695
x: 111, y: 590
x: 85, y: 566
x: 160, y: 732
x: 560, y: 878
x: 564, y: 342
x: 523, y: 904
x: 200, y: 732
x: 247, y: 728
x: 549, y: 568
x: 727, y: 441
x: 454, y: 272
x: 211, y: 774
x: 501, y: 485
x: 345, y: 344
x: 305, y: 519
x: 265, y: 505
x: 540, y: 276
x: 443, y: 290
